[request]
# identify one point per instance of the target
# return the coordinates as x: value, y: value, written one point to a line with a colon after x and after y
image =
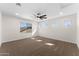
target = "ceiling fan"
x: 18, y: 4
x: 40, y: 15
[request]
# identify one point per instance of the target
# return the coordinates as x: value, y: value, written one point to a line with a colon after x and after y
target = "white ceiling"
x: 27, y: 9
x: 63, y: 5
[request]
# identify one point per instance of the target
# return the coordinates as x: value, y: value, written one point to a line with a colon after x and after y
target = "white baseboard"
x: 15, y: 39
x: 58, y: 38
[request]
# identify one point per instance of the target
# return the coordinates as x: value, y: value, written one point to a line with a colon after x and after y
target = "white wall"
x: 0, y: 28
x: 78, y: 29
x: 11, y: 28
x: 72, y: 9
x: 57, y: 30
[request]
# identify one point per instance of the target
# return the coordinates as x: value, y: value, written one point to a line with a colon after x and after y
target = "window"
x: 25, y: 27
x: 67, y: 23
